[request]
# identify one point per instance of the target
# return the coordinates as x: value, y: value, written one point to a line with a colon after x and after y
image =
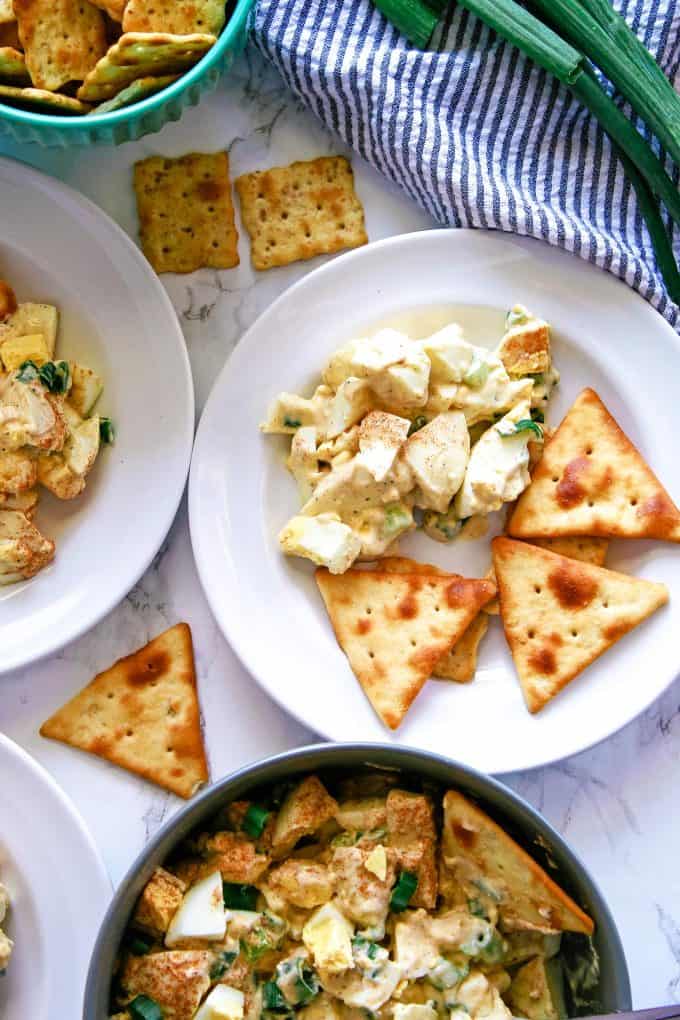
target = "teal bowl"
x: 138, y: 119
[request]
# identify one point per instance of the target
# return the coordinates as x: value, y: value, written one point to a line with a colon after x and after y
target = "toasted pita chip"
x: 23, y: 549
x: 560, y: 615
x: 7, y: 15
x: 114, y: 8
x: 181, y: 17
x: 13, y: 66
x: 134, y: 93
x: 587, y: 550
x: 529, y: 899
x: 143, y: 715
x: 62, y: 39
x: 460, y: 663
x: 393, y: 628
x: 591, y: 480
x: 43, y: 100
x: 139, y: 55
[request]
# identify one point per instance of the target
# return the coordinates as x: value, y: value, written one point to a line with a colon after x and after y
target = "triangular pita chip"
x: 393, y: 628
x: 460, y: 662
x: 559, y: 615
x: 591, y: 480
x: 142, y: 714
x: 473, y: 844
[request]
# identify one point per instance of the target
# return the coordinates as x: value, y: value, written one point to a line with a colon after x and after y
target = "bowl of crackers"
x: 75, y: 72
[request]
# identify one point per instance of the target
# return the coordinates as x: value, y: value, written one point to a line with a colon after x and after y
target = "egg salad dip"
x: 349, y: 899
x: 403, y: 433
x: 50, y: 431
x: 6, y: 944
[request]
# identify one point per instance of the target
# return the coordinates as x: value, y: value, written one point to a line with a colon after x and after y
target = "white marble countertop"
x: 616, y: 804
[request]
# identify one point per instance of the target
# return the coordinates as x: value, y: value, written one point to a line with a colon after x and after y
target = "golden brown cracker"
x: 13, y: 66
x: 140, y: 55
x: 559, y: 614
x: 62, y: 39
x: 460, y: 664
x: 143, y: 715
x: 394, y: 627
x: 180, y: 17
x: 42, y: 100
x: 7, y: 15
x: 114, y: 8
x: 186, y: 215
x: 135, y: 92
x: 591, y: 480
x: 302, y: 210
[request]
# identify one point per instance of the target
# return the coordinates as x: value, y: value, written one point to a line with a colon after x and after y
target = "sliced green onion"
x: 291, y: 423
x: 476, y: 908
x: 537, y: 415
x: 55, y: 375
x: 138, y: 946
x: 239, y: 897
x: 28, y: 372
x: 418, y: 423
x: 363, y: 945
x: 397, y: 518
x: 517, y: 316
x: 222, y: 964
x: 307, y: 983
x: 144, y: 1008
x: 255, y: 819
x: 477, y: 373
x: 407, y: 883
x: 616, y: 50
x: 414, y: 19
x: 273, y: 998
x: 107, y: 431
x: 524, y: 425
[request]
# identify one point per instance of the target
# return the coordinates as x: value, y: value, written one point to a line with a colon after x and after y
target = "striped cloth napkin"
x: 472, y: 131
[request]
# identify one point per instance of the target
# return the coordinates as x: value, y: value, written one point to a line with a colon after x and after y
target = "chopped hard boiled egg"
x: 201, y: 914
x: 414, y: 1011
x: 328, y: 937
x: 223, y: 1003
x: 498, y: 470
x: 437, y: 455
x: 381, y: 436
x: 450, y: 355
x: 323, y: 539
x: 376, y: 862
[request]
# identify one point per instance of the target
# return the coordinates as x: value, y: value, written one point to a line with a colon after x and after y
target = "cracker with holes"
x: 559, y: 614
x: 186, y: 216
x: 7, y: 15
x: 181, y: 17
x: 62, y: 39
x: 142, y: 714
x: 460, y: 662
x: 593, y: 481
x: 395, y: 627
x: 138, y: 55
x: 114, y: 8
x: 296, y: 212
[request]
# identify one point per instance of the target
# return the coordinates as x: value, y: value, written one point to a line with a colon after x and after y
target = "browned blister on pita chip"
x: 591, y: 480
x: 143, y: 715
x: 62, y: 39
x: 394, y: 627
x: 559, y: 614
x: 527, y: 898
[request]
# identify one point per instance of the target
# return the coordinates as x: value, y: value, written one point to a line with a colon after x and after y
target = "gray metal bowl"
x: 507, y: 808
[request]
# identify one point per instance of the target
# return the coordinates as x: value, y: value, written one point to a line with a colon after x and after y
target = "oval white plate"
x: 240, y: 494
x: 58, y: 887
x: 56, y: 246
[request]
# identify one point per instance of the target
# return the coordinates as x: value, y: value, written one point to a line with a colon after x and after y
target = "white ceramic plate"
x: 58, y: 887
x: 240, y: 493
x: 56, y: 246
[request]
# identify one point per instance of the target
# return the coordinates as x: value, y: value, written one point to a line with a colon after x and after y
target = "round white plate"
x: 58, y: 887
x: 240, y: 494
x: 56, y: 246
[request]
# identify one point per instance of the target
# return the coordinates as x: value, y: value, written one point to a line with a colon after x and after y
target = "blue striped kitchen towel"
x: 474, y: 132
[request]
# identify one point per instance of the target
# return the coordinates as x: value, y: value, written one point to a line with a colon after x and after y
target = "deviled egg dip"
x: 403, y: 433
x: 363, y: 898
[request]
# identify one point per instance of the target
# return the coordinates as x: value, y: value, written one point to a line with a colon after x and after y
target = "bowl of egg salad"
x: 353, y: 882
